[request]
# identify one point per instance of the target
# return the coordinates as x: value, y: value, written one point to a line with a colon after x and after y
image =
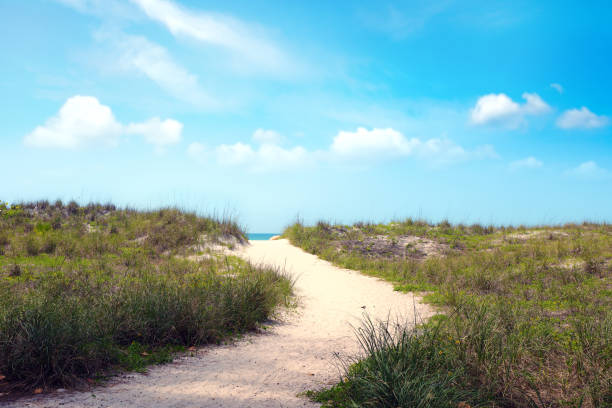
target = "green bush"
x: 531, y: 309
x: 106, y: 291
x: 405, y: 368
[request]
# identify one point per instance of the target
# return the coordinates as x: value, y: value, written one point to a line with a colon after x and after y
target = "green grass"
x: 85, y: 291
x: 528, y: 314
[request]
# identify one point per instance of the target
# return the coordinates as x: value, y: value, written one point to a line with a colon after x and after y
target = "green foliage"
x: 137, y: 357
x: 110, y: 289
x: 405, y: 368
x: 531, y: 308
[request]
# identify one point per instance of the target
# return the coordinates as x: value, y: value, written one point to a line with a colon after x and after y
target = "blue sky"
x: 475, y: 111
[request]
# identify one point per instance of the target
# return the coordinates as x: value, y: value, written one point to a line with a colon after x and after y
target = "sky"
x: 491, y: 111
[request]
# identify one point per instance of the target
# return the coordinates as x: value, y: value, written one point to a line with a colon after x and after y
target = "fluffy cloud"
x: 83, y: 121
x: 534, y: 105
x: 238, y: 153
x: 494, y: 107
x: 362, y: 145
x: 588, y: 170
x: 526, y: 163
x: 375, y: 143
x: 501, y: 109
x: 244, y: 42
x: 581, y: 118
x: 160, y: 133
x: 364, y: 142
x: 267, y: 136
x: 269, y: 155
x: 264, y: 157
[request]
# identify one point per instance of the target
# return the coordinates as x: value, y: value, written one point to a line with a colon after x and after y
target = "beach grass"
x: 525, y: 314
x: 89, y: 290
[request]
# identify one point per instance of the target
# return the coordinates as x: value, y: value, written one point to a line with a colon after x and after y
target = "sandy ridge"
x: 267, y: 370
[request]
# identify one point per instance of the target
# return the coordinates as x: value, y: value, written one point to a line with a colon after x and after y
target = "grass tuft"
x: 86, y: 290
x: 529, y: 312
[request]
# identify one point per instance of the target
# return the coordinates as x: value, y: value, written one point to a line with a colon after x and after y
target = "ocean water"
x: 259, y: 236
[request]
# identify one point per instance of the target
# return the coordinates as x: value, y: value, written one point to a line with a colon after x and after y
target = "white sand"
x: 267, y: 370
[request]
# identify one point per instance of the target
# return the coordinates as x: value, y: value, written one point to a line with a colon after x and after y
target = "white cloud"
x: 588, y: 170
x: 501, y: 109
x: 364, y: 142
x: 362, y: 145
x: 264, y: 158
x: 160, y: 133
x: 493, y: 107
x: 137, y: 54
x: 238, y: 153
x: 375, y: 143
x: 83, y: 121
x: 526, y: 163
x: 267, y: 136
x: 246, y: 43
x: 275, y: 155
x: 581, y: 118
x: 557, y: 87
x: 440, y: 151
x: 534, y: 105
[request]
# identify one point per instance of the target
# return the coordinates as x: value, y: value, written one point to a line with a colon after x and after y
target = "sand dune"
x: 263, y: 370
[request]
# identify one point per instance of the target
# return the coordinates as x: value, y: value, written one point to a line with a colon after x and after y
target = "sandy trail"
x: 266, y: 370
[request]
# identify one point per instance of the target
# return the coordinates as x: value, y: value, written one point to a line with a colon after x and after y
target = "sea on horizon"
x: 260, y: 236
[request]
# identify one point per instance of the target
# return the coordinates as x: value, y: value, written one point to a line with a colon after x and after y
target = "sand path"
x: 266, y: 370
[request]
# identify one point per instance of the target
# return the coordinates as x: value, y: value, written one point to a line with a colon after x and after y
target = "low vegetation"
x: 85, y: 291
x: 526, y: 314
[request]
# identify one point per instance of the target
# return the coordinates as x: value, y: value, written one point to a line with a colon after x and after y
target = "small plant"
x: 32, y: 247
x: 72, y: 208
x: 56, y: 223
x: 14, y: 270
x: 594, y: 266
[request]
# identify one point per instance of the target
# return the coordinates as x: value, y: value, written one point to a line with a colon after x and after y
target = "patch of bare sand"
x: 263, y: 370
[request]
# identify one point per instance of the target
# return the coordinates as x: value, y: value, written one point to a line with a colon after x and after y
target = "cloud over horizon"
x: 267, y: 156
x: 159, y: 133
x: 83, y: 121
x: 381, y: 143
x: 362, y: 145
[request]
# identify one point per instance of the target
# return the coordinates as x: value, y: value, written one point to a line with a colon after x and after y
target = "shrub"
x: 32, y: 247
x: 79, y: 301
x: 531, y: 314
x: 404, y: 368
